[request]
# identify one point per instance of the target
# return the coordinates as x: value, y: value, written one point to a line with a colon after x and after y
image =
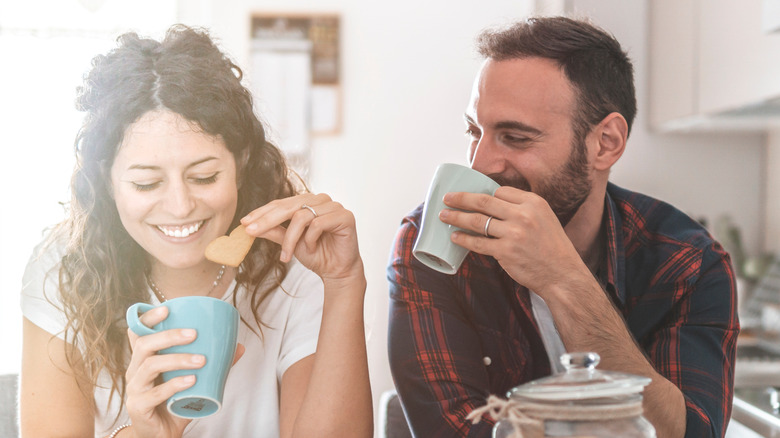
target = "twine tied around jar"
x: 527, y: 418
x: 501, y: 409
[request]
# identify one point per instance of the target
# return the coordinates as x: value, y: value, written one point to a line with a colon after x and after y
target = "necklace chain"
x: 161, y: 296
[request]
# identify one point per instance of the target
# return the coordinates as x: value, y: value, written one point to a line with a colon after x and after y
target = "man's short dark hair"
x: 590, y: 57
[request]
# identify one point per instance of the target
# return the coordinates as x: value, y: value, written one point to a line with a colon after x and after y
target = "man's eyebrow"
x: 507, y: 124
x: 518, y: 126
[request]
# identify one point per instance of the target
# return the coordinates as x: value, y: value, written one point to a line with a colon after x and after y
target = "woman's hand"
x: 321, y: 234
x: 146, y: 393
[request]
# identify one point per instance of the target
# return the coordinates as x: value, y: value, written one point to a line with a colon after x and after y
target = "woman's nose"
x: 179, y: 200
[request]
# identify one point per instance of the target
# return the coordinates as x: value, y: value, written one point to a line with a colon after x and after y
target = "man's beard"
x: 566, y: 191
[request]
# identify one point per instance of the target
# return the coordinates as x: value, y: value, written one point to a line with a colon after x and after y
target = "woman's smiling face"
x: 175, y: 188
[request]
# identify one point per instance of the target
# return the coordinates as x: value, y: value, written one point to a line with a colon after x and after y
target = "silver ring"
x: 310, y: 209
x: 487, y: 224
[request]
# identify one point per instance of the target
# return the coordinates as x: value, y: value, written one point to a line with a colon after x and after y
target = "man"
x: 623, y: 275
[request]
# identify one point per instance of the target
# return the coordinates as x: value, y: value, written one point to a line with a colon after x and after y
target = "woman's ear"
x: 611, y: 136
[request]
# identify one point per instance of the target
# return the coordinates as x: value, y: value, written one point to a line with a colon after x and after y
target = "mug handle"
x: 134, y: 322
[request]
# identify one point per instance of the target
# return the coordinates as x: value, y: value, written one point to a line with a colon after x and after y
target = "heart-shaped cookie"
x: 230, y: 250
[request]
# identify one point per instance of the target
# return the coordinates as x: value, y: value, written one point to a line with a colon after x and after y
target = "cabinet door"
x: 739, y: 64
x: 708, y: 57
x: 673, y: 60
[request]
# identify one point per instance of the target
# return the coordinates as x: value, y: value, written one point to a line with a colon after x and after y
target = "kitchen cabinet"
x: 713, y: 66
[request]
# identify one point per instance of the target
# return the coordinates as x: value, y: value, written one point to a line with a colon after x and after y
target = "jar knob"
x: 574, y: 361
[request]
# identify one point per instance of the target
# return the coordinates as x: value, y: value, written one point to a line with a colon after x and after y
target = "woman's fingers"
x: 154, y: 316
x: 145, y: 391
x: 303, y: 213
x: 146, y: 365
x: 279, y: 211
x: 318, y: 231
x: 336, y: 219
x: 149, y: 319
x: 165, y: 339
x: 145, y: 401
x: 300, y: 220
x: 161, y: 363
x: 140, y: 345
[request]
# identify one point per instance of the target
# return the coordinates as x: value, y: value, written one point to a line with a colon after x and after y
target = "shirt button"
x: 487, y: 361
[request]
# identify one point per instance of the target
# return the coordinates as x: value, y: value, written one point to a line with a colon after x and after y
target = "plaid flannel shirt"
x: 454, y: 340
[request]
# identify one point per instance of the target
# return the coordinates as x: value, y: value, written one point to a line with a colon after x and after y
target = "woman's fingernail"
x: 188, y: 380
x: 198, y: 359
x: 251, y: 227
x: 444, y: 214
x: 189, y: 333
x: 283, y: 256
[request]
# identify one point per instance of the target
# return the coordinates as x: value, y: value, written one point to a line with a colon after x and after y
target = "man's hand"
x: 526, y: 237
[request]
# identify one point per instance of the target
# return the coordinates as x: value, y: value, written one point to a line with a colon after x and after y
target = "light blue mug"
x: 433, y: 246
x: 216, y: 324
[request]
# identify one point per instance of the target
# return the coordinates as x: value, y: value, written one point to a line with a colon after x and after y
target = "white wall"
x: 407, y: 72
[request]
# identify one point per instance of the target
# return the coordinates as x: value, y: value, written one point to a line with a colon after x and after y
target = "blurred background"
x: 367, y: 97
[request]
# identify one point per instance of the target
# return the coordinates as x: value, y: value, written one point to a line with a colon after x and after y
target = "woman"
x: 170, y: 157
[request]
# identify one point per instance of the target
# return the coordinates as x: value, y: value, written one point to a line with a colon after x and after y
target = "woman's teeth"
x: 180, y: 231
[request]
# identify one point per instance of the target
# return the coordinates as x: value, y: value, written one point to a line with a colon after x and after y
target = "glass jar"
x: 579, y: 402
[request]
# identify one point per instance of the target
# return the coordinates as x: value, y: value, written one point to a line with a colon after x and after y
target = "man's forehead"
x: 527, y: 85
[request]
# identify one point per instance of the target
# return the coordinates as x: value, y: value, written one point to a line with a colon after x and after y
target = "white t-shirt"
x: 250, y: 406
x: 549, y: 332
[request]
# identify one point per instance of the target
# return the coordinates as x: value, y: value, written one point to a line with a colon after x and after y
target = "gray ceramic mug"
x: 433, y: 247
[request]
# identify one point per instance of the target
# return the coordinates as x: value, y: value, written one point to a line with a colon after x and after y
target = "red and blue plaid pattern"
x: 453, y: 340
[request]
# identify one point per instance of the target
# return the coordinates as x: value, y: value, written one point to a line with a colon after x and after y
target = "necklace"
x: 161, y: 296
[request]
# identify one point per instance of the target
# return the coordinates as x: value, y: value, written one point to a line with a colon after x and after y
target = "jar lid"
x: 581, y: 380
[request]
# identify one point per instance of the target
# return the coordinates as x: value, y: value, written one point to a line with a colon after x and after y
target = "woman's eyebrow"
x: 152, y: 167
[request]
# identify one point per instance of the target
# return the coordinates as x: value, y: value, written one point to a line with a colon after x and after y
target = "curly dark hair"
x: 591, y: 58
x: 103, y: 269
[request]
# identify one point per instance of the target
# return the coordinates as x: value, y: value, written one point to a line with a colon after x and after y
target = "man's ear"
x: 611, y: 135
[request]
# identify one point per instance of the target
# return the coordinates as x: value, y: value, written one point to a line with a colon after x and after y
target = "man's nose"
x: 488, y: 157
